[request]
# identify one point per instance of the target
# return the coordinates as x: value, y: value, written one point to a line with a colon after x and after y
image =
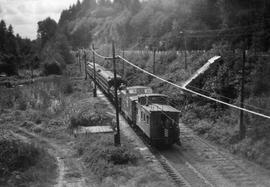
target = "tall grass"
x: 47, y: 96
x: 23, y: 164
x: 104, y: 159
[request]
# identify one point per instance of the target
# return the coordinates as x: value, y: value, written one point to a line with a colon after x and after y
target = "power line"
x: 231, y: 99
x: 100, y: 56
x: 193, y: 92
x: 186, y: 89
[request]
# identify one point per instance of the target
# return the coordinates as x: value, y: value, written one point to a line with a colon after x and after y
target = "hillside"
x: 203, y: 28
x: 159, y: 23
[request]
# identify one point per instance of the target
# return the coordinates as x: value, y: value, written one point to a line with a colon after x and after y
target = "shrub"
x: 8, y: 68
x: 23, y: 164
x: 52, y: 68
x: 100, y: 154
x: 22, y: 104
x: 68, y: 88
x: 86, y: 119
x: 16, y: 156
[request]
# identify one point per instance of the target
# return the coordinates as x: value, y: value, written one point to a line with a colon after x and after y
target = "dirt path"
x: 71, y: 172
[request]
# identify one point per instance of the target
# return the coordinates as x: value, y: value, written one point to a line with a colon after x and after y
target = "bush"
x: 86, y: 119
x: 22, y: 104
x: 23, y: 164
x: 16, y: 156
x: 100, y: 154
x: 52, y: 68
x: 68, y: 88
x: 8, y: 68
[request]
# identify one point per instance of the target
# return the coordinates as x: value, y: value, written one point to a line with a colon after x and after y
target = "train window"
x: 144, y: 117
x: 148, y: 91
x: 141, y: 115
x: 132, y: 91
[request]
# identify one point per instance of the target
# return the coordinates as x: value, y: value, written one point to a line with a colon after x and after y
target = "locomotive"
x: 148, y: 111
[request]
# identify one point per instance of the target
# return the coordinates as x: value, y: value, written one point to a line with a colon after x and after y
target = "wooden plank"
x: 94, y: 130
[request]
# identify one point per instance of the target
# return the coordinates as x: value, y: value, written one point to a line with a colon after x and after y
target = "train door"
x: 166, y: 124
x: 134, y: 112
x: 137, y: 114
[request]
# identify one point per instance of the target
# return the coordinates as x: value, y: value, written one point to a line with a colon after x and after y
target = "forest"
x: 134, y: 24
x: 48, y: 54
x: 164, y: 24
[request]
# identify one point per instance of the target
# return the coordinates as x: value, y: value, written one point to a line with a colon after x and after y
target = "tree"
x: 46, y: 30
x: 3, y: 30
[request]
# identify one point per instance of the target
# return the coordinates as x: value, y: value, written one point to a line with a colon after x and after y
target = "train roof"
x: 104, y: 72
x: 152, y: 95
x: 159, y: 107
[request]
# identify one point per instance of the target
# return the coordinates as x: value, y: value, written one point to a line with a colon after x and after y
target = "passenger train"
x: 148, y: 111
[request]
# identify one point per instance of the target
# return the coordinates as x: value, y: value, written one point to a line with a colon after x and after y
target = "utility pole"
x: 95, y: 81
x: 242, y: 127
x: 80, y: 60
x: 85, y: 69
x: 185, y: 46
x: 123, y: 54
x: 117, y: 136
x: 154, y: 60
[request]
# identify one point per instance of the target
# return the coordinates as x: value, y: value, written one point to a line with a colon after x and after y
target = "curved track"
x: 213, y: 165
x: 197, y: 163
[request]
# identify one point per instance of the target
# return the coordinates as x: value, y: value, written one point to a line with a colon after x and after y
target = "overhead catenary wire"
x: 99, y: 55
x: 185, y: 89
x: 193, y: 92
x: 231, y: 99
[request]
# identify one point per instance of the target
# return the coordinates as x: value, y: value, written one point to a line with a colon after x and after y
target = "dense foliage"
x: 159, y: 23
x: 15, y: 52
x: 50, y: 51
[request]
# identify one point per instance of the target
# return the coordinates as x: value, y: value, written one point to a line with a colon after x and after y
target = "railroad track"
x: 228, y: 166
x: 172, y: 172
x: 223, y: 169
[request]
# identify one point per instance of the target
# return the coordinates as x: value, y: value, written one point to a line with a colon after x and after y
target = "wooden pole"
x: 95, y: 81
x: 123, y: 54
x: 185, y: 43
x: 242, y: 127
x: 80, y: 61
x: 117, y: 136
x: 85, y: 69
x: 154, y: 61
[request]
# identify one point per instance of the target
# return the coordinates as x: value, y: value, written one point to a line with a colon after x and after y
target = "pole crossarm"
x: 111, y: 58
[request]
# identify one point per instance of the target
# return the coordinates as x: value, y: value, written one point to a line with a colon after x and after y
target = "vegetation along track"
x: 226, y: 169
x: 198, y: 163
x: 174, y: 173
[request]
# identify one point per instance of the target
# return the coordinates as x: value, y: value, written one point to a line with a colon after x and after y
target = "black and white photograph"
x: 134, y: 93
